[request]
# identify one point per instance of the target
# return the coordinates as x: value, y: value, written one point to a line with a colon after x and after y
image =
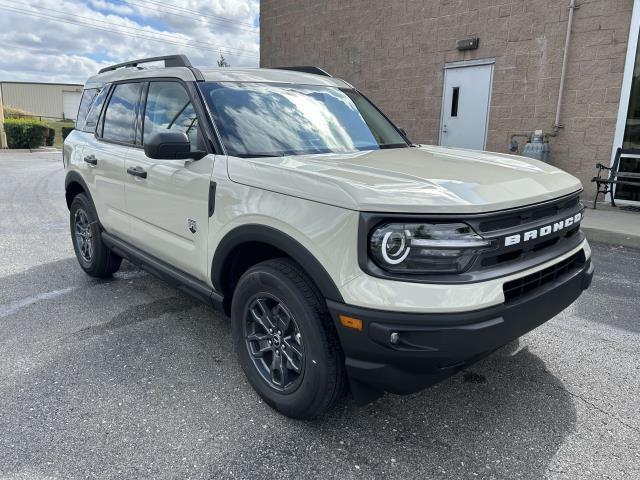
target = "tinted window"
x: 169, y: 108
x: 120, y: 116
x: 261, y: 119
x: 85, y: 103
x: 94, y: 111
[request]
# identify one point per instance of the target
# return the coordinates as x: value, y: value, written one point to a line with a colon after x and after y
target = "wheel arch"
x: 73, y: 185
x: 247, y: 245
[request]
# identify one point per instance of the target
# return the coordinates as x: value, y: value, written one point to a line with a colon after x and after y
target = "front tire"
x: 285, y: 340
x: 92, y: 254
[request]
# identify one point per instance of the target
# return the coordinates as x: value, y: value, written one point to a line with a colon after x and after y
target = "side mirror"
x: 170, y: 145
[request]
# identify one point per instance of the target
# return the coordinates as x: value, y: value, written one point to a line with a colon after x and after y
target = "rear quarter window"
x: 88, y: 96
x: 93, y: 112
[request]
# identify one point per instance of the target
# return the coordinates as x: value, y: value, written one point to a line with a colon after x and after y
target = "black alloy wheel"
x: 286, y: 340
x: 83, y: 235
x: 274, y: 343
x: 86, y: 234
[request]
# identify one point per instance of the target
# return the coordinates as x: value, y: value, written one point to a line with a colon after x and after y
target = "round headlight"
x: 426, y: 248
x: 395, y: 247
x: 390, y: 244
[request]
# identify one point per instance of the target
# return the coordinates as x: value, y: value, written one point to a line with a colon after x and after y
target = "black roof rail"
x: 169, y: 61
x: 306, y: 69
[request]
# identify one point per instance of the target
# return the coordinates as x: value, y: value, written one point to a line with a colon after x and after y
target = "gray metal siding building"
x: 54, y: 100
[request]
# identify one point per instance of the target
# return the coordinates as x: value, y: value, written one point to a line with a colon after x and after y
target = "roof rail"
x: 169, y: 61
x: 306, y: 69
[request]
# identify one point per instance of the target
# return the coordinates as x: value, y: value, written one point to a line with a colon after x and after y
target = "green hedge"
x: 25, y: 132
x: 66, y: 131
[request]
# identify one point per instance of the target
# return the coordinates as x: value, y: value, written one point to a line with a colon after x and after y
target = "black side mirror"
x: 170, y: 145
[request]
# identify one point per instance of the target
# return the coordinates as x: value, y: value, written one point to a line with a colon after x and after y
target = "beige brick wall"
x: 394, y: 51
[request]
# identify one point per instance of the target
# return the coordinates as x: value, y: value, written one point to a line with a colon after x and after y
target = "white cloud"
x: 41, y: 49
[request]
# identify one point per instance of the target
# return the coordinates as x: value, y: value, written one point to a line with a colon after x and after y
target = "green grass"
x: 57, y: 126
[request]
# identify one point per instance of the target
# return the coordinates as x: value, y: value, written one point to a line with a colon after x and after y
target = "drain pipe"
x: 557, y: 125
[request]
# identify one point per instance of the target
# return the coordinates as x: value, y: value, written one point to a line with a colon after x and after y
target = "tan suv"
x: 345, y: 255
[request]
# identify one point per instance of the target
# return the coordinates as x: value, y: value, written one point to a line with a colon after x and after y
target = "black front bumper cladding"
x: 403, y: 353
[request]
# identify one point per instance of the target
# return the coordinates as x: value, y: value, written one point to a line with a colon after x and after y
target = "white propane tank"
x: 537, y: 148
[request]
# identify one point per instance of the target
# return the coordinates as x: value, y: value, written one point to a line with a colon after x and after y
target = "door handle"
x: 137, y: 172
x: 91, y: 159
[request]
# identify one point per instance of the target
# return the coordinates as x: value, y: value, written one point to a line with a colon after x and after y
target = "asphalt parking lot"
x: 128, y: 378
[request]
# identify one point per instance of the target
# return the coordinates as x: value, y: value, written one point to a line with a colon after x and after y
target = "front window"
x: 263, y: 119
x: 169, y: 107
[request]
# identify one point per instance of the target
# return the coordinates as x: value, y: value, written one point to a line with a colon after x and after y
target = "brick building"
x: 403, y: 55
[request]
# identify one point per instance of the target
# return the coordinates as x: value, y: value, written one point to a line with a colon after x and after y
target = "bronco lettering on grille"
x: 542, y: 231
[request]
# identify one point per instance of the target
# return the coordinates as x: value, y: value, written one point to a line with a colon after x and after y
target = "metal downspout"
x: 557, y: 125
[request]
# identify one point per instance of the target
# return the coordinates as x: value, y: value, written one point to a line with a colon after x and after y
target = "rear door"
x: 168, y: 205
x: 106, y: 152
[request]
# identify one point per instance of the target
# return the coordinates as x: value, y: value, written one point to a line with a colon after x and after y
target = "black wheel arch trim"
x: 277, y: 239
x: 75, y: 177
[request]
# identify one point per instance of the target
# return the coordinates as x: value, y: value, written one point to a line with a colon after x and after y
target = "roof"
x: 216, y: 75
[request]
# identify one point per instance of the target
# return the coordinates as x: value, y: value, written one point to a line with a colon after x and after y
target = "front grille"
x: 501, y: 224
x: 516, y: 289
x: 528, y: 215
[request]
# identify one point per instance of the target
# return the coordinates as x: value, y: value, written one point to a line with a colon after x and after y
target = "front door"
x: 168, y: 207
x: 465, y: 106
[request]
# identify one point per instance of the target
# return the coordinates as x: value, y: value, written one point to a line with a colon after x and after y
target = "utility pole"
x: 3, y: 136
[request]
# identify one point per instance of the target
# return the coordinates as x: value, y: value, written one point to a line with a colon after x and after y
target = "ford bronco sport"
x: 345, y: 255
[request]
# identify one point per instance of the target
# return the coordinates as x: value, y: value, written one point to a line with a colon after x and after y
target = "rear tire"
x: 285, y: 340
x: 92, y: 254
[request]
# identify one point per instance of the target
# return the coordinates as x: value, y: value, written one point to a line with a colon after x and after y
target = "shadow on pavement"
x: 129, y: 378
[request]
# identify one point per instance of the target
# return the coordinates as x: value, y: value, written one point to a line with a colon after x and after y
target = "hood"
x: 424, y: 179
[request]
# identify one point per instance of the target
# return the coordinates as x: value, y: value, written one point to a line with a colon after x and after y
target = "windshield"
x: 262, y: 119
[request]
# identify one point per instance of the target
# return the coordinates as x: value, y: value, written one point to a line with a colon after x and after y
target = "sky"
x: 68, y: 40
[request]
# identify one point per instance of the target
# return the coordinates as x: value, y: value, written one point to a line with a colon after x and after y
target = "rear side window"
x: 88, y: 95
x: 169, y: 107
x: 120, y: 116
x: 94, y: 111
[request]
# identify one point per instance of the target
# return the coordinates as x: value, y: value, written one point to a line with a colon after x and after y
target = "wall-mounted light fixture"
x: 468, y: 44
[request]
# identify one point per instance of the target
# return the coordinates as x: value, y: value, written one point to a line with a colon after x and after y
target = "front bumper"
x: 427, y: 348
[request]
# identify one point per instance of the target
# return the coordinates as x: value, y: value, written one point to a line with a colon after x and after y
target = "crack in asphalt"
x: 601, y: 410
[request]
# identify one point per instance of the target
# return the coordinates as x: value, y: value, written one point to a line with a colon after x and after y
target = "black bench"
x: 614, y: 177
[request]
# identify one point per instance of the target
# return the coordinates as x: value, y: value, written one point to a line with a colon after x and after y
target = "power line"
x: 198, y: 17
x: 196, y: 13
x: 190, y: 44
x: 145, y: 32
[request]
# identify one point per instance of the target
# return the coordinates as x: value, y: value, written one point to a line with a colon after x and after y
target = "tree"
x: 223, y: 61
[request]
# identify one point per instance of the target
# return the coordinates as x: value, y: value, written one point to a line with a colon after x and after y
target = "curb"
x: 9, y: 151
x: 598, y: 235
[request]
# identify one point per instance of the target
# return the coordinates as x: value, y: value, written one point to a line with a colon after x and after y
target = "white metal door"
x: 465, y: 106
x: 70, y: 104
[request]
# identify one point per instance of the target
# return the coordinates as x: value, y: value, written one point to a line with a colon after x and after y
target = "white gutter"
x: 557, y: 125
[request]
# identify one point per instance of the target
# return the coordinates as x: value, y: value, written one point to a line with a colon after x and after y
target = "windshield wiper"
x: 386, y: 146
x: 256, y: 155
